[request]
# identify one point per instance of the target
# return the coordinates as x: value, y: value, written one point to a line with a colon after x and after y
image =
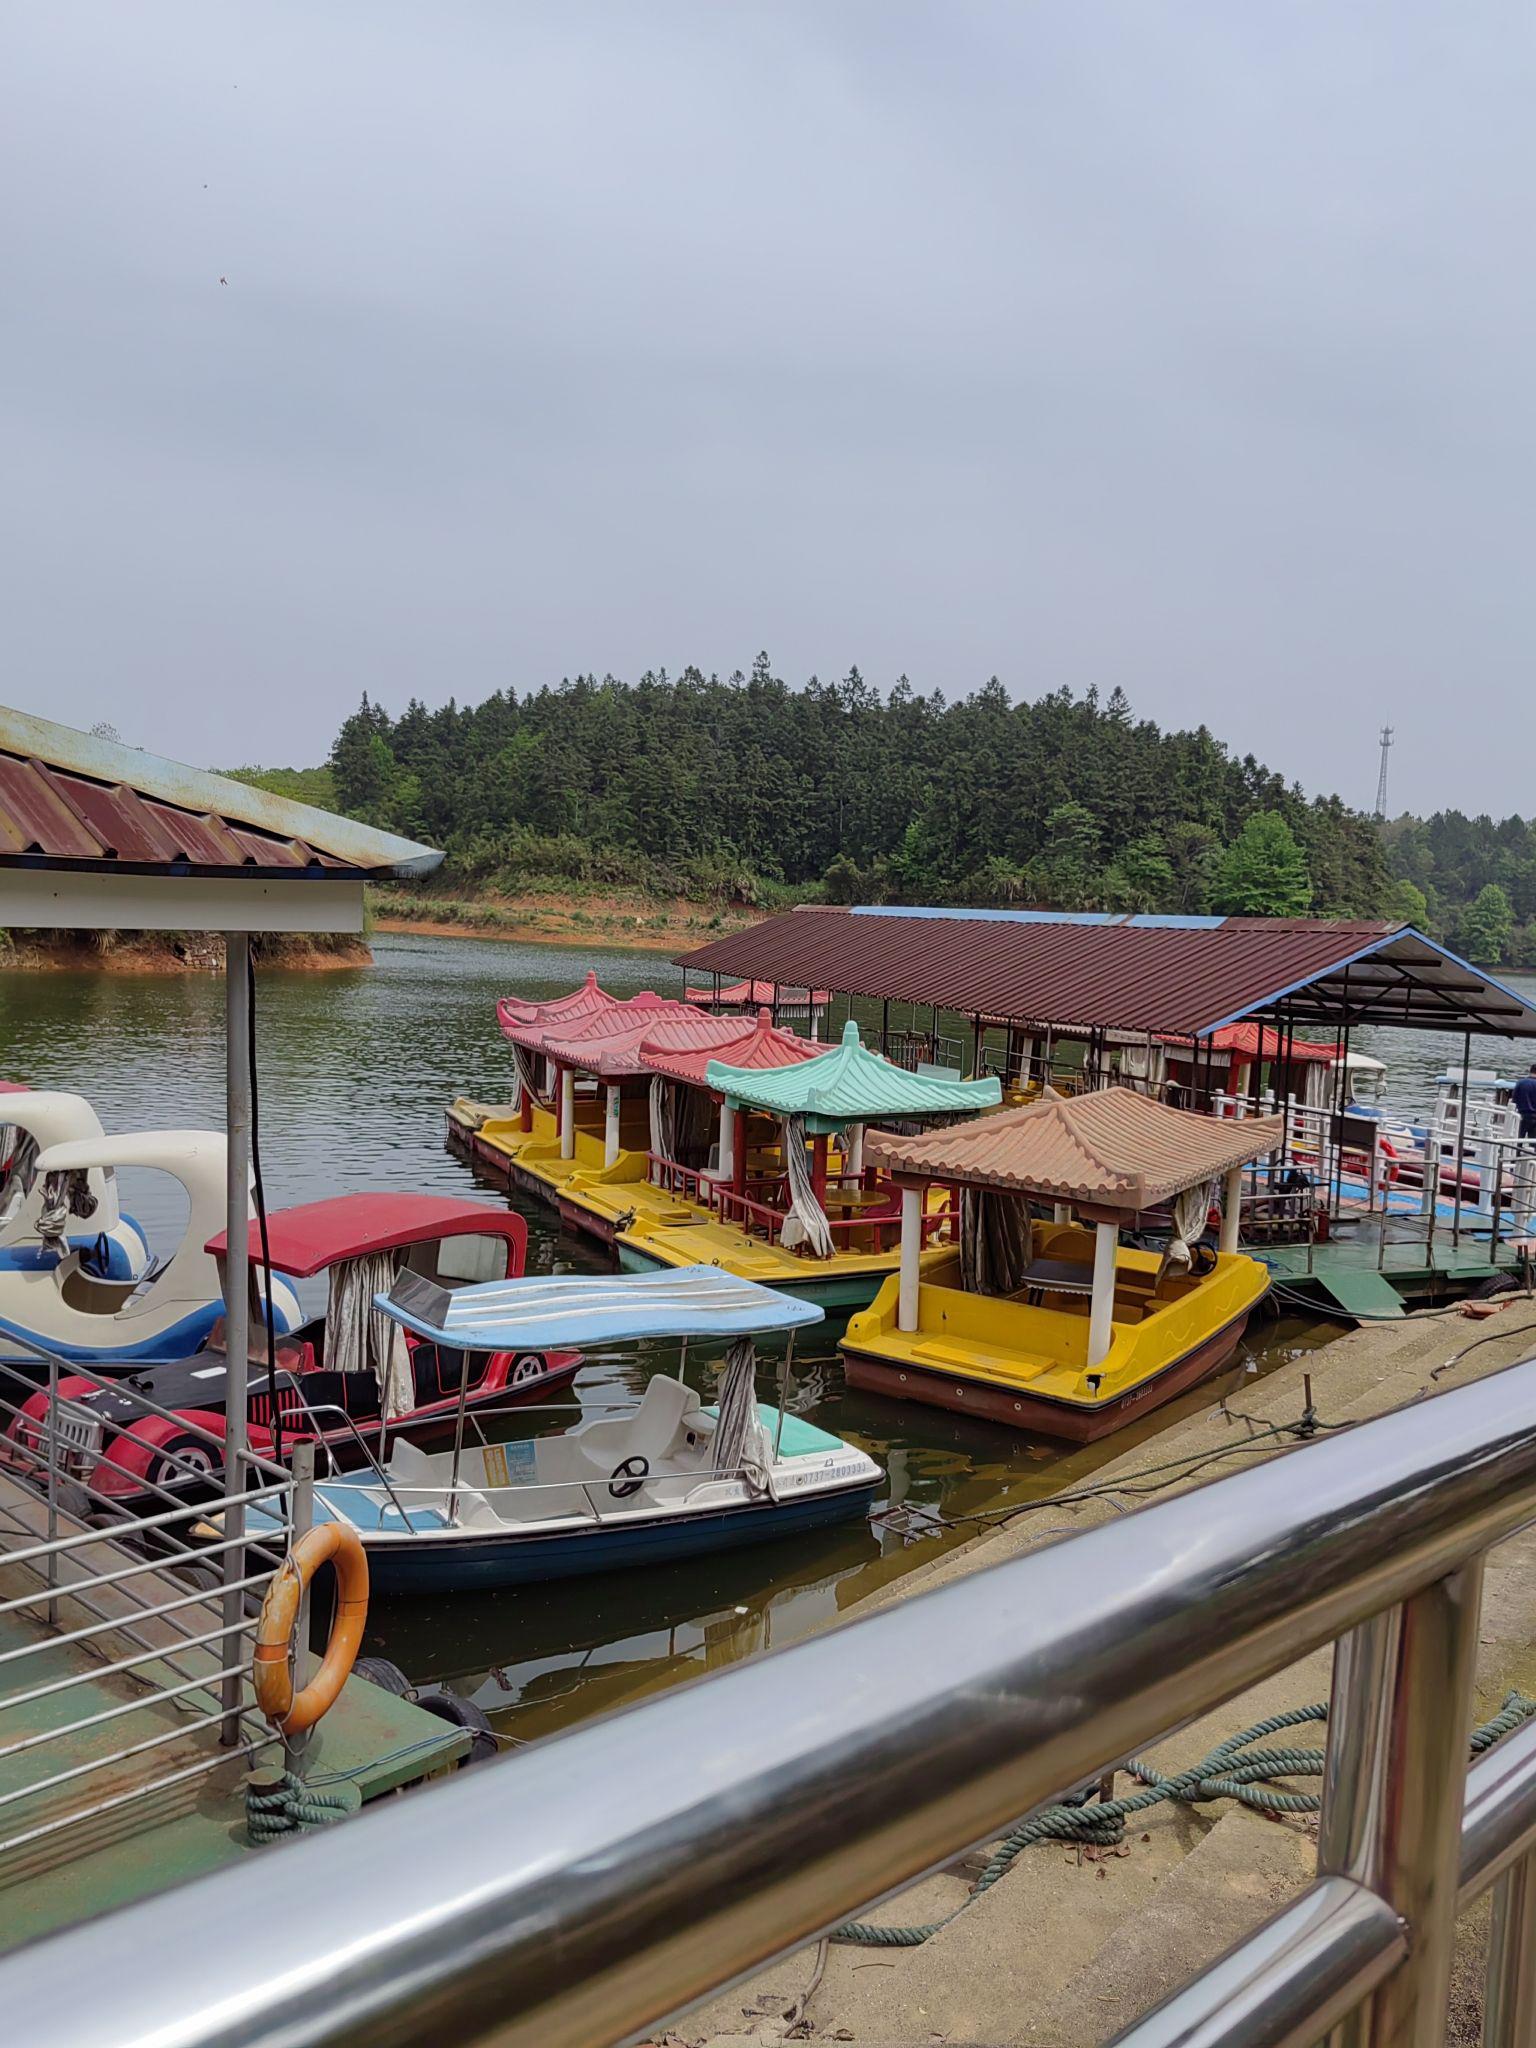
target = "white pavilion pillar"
x: 911, y: 1258
x: 1101, y: 1313
x: 853, y: 1157
x: 567, y: 1112
x: 1231, y: 1207
x: 725, y: 1166
x: 611, y: 1125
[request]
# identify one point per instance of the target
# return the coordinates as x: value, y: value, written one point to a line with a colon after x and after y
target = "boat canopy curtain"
x: 682, y: 1122
x: 1316, y: 1084
x: 1144, y: 1067
x: 1190, y: 1210
x: 361, y: 1338
x: 528, y: 1076
x: 996, y: 1241
x: 741, y: 1442
x: 20, y: 1174
x: 806, y: 1222
x: 65, y: 1194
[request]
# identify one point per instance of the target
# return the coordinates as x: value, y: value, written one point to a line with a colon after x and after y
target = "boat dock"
x: 127, y: 1760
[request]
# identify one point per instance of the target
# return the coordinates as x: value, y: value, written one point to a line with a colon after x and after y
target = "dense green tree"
x: 1264, y: 871
x: 698, y: 784
x: 1484, y: 928
x: 1140, y: 877
x: 1411, y: 904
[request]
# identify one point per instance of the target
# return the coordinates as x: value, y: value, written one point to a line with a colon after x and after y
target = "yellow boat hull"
x: 1025, y: 1363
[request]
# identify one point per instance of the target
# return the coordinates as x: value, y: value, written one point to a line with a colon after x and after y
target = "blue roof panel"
x: 546, y: 1311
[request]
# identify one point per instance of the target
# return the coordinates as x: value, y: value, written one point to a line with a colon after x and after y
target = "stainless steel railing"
x: 597, y: 1883
x: 124, y: 1652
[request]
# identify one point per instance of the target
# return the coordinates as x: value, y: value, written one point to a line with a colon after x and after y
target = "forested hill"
x: 749, y: 789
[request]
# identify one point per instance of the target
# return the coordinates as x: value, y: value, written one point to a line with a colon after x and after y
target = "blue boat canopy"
x: 545, y: 1311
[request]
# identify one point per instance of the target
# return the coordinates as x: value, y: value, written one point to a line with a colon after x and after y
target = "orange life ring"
x: 272, y: 1664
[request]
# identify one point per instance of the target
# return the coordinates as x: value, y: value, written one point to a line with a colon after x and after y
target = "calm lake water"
x: 356, y: 1068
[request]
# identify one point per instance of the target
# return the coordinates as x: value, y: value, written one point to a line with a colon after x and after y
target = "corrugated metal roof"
x: 1111, y: 1147
x: 70, y: 799
x: 1177, y: 980
x: 683, y: 1052
x: 849, y: 1085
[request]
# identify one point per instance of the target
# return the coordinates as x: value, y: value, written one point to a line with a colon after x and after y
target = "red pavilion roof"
x: 761, y: 1044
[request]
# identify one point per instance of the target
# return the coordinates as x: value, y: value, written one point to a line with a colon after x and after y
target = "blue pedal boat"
x: 668, y: 1479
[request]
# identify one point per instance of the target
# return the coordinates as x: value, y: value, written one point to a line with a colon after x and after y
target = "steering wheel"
x: 628, y: 1476
x: 1202, y: 1260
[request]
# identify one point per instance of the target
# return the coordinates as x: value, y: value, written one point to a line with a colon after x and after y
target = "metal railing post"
x: 237, y: 1290
x: 301, y: 1521
x: 1395, y: 1788
x: 53, y: 1483
x: 1509, y: 2009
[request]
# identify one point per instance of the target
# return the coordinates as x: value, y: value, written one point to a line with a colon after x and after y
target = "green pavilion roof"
x: 849, y: 1085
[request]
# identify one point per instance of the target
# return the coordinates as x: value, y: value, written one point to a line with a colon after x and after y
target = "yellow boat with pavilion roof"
x: 1055, y: 1325
x: 778, y: 1205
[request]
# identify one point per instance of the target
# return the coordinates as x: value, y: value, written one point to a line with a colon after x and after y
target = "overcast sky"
x: 424, y: 349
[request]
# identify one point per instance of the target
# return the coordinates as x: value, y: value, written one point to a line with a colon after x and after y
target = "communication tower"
x: 1381, y: 780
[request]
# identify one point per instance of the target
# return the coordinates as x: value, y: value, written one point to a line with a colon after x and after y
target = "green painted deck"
x: 128, y: 1794
x: 1353, y: 1275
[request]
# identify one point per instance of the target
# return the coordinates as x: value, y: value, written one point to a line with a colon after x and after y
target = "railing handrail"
x: 588, y: 1887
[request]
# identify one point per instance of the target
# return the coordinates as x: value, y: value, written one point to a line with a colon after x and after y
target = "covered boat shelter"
x: 1111, y: 1156
x: 1170, y: 1006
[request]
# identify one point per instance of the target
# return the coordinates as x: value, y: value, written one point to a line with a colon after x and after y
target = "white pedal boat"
x: 66, y: 1309
x: 672, y: 1478
x: 111, y: 1245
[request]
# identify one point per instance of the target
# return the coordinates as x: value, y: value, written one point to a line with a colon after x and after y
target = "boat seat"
x: 650, y: 1432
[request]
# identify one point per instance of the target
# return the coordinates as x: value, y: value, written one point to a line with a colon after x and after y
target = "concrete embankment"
x: 1071, y: 1944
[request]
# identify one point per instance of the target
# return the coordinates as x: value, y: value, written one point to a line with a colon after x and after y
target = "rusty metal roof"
x: 1178, y: 977
x: 1112, y: 1147
x: 73, y: 800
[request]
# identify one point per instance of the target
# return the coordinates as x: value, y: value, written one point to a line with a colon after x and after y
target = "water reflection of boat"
x: 1057, y: 1327
x: 670, y: 1479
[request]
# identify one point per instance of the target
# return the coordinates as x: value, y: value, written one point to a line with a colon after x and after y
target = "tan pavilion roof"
x: 1113, y: 1147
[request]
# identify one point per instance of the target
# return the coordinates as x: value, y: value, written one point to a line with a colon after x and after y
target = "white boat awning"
x: 543, y: 1312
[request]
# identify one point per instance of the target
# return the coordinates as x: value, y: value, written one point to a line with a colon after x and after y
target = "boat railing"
x: 435, y: 1496
x: 124, y: 1620
x: 586, y: 1890
x: 691, y: 1183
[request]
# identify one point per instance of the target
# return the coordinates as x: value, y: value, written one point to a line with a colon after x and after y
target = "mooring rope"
x: 275, y: 1807
x: 1233, y: 1770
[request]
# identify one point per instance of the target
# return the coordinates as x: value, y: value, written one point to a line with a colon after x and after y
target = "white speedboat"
x: 673, y: 1477
x: 111, y: 1245
x: 66, y: 1308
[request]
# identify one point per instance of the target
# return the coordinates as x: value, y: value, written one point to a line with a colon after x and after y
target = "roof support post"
x: 237, y: 1288
x: 611, y: 1124
x: 738, y: 1148
x: 1231, y: 1207
x: 567, y: 1112
x: 1101, y: 1311
x: 1461, y: 1137
x: 911, y: 1258
x: 725, y: 1163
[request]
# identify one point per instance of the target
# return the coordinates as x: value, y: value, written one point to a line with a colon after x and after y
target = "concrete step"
x: 1244, y: 1870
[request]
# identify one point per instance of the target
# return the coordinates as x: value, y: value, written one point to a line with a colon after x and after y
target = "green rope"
x: 284, y: 1806
x: 1233, y: 1770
